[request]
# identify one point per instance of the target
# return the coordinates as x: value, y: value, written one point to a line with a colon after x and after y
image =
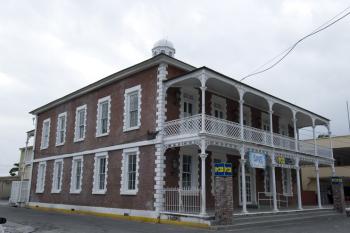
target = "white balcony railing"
x: 192, y: 126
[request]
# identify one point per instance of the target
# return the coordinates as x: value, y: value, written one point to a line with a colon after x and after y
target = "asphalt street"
x: 22, y: 220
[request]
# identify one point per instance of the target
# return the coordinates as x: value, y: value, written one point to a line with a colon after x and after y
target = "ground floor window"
x: 100, y: 173
x: 186, y: 171
x: 250, y: 184
x: 287, y: 182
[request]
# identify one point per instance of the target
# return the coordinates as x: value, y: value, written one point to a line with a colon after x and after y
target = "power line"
x: 290, y: 49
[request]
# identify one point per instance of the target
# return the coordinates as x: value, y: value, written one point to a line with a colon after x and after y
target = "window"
x: 130, y: 171
x: 218, y: 107
x: 57, y: 176
x: 80, y: 123
x: 61, y: 129
x: 265, y: 119
x: 132, y: 108
x: 103, y: 116
x: 186, y: 171
x: 287, y: 182
x: 267, y: 181
x: 40, y: 180
x: 45, y: 134
x: 77, y: 175
x: 100, y: 173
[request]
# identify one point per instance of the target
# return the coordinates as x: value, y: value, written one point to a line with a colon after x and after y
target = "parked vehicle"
x: 2, y: 221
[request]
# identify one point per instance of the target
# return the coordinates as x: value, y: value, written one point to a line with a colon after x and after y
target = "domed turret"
x: 163, y: 46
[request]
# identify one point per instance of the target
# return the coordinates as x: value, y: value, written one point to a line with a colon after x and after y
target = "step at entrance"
x: 280, y: 218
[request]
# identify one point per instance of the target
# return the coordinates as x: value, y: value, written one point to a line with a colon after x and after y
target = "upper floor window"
x: 57, y: 176
x: 103, y: 116
x: 100, y: 173
x: 287, y: 182
x: 40, y: 179
x: 218, y: 107
x: 61, y: 129
x: 265, y: 121
x: 80, y: 123
x: 45, y: 134
x: 130, y: 171
x: 77, y: 175
x: 132, y: 108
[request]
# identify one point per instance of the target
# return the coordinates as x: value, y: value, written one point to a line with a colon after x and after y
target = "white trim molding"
x: 40, y: 177
x: 96, y: 181
x: 126, y: 120
x: 124, y: 181
x: 57, y: 176
x: 78, y: 123
x: 45, y: 144
x: 99, y: 116
x: 73, y: 179
x: 59, y: 128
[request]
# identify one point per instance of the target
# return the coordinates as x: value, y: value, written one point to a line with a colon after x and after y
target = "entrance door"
x: 250, y: 185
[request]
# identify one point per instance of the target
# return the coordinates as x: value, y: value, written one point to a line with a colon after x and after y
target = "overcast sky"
x: 51, y: 48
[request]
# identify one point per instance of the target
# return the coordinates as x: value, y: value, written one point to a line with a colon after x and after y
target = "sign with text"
x: 223, y: 169
x: 337, y: 180
x: 284, y: 161
x: 257, y: 160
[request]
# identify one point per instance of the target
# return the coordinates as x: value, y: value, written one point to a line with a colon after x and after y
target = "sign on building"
x: 223, y: 169
x: 284, y: 161
x: 257, y: 160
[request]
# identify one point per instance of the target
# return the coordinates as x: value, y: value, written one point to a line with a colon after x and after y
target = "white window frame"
x: 220, y: 101
x: 193, y: 152
x: 99, y: 116
x: 40, y: 178
x: 73, y: 180
x: 95, y: 189
x: 194, y: 100
x: 45, y: 144
x: 58, y: 129
x: 287, y: 174
x: 128, y: 92
x: 268, y: 180
x: 78, y: 123
x: 265, y: 121
x: 124, y: 189
x: 56, y: 175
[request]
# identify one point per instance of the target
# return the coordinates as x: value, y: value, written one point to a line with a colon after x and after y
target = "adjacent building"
x: 341, y: 153
x: 144, y: 141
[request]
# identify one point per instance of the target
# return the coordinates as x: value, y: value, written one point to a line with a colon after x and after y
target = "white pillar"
x: 300, y: 204
x: 203, y: 156
x: 314, y: 136
x: 271, y: 121
x: 203, y: 88
x: 317, y: 169
x: 243, y: 182
x: 295, y: 130
x: 241, y: 109
x: 273, y: 177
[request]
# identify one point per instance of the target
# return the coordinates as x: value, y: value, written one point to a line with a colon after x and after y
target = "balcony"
x: 192, y: 126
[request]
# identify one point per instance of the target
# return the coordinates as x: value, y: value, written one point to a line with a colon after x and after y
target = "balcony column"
x: 203, y: 156
x: 314, y: 135
x: 317, y: 169
x: 273, y: 177
x: 297, y: 163
x: 241, y: 110
x: 203, y: 80
x: 295, y: 130
x: 271, y: 121
x: 243, y: 182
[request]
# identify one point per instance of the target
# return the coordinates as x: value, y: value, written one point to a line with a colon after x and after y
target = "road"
x: 22, y: 220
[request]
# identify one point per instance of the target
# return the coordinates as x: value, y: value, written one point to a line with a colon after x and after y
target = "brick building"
x: 143, y: 142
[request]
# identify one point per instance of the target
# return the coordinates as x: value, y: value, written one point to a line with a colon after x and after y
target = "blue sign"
x: 257, y: 160
x: 223, y: 169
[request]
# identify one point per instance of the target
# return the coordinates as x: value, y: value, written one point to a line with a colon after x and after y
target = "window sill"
x: 60, y: 144
x: 43, y: 148
x: 55, y: 191
x: 79, y: 140
x: 129, y: 192
x: 99, y: 192
x: 102, y: 135
x: 39, y: 192
x: 131, y: 128
x: 75, y: 192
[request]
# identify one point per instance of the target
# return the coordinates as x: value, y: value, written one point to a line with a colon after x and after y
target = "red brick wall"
x: 143, y: 200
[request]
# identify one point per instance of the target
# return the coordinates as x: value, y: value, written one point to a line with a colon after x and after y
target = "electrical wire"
x: 290, y: 49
